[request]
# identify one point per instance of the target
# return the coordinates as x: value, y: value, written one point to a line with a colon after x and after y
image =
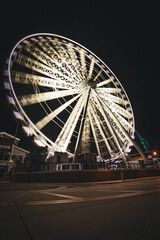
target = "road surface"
x: 83, y: 211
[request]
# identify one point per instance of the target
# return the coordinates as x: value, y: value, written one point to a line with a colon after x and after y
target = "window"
x: 64, y: 167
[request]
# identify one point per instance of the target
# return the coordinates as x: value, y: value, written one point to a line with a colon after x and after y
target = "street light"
x: 155, y: 153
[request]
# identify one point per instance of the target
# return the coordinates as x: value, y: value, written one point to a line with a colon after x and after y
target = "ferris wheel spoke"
x: 124, y: 122
x: 118, y: 109
x: 46, y: 45
x: 101, y: 133
x: 113, y: 98
x: 115, y: 130
x: 114, y: 141
x: 91, y: 68
x: 129, y: 139
x: 40, y: 55
x: 98, y: 74
x: 46, y: 96
x: 34, y: 65
x: 65, y: 135
x: 108, y: 90
x: 60, y: 50
x: 44, y: 121
x: 41, y: 68
x: 115, y: 107
x: 83, y: 63
x: 118, y: 133
x: 51, y: 47
x: 55, y: 63
x: 67, y: 58
x: 118, y: 128
x: 75, y: 60
x: 105, y: 82
x: 25, y: 78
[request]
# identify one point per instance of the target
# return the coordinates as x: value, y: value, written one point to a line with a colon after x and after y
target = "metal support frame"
x: 94, y: 134
x: 77, y: 147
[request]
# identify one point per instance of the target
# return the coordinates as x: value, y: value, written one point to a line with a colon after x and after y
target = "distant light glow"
x: 154, y: 153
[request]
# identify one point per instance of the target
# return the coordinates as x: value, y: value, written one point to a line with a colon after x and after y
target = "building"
x: 57, y: 158
x: 10, y: 151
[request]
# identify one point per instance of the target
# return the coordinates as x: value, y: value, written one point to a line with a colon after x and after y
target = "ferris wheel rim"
x: 59, y: 36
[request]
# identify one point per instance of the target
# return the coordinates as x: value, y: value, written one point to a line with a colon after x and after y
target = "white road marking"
x: 68, y: 200
x: 77, y: 199
x: 60, y: 195
x: 73, y: 199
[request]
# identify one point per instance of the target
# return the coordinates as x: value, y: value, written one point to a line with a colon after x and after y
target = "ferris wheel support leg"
x: 94, y: 134
x: 77, y: 147
x: 125, y: 132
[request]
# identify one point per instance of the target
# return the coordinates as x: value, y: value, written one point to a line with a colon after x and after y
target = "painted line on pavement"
x: 60, y: 195
x: 73, y: 199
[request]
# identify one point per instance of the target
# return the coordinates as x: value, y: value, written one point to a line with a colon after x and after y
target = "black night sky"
x: 125, y: 37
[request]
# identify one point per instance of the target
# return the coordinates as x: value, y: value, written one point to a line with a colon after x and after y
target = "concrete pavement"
x: 128, y: 210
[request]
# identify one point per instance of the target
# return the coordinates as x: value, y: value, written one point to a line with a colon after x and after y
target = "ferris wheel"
x: 67, y: 98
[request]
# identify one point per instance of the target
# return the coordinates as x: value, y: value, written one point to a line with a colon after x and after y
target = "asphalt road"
x: 96, y: 211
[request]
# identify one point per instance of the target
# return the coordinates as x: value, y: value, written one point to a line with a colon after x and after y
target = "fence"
x: 84, y: 166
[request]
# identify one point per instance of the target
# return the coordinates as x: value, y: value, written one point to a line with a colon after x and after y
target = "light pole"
x: 10, y: 162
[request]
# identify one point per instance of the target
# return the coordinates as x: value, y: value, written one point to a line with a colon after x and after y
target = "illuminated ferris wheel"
x: 67, y: 98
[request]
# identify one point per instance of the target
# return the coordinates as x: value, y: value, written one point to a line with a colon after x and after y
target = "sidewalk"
x: 56, y: 185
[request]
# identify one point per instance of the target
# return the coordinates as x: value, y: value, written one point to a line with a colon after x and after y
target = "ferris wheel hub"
x: 91, y: 84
